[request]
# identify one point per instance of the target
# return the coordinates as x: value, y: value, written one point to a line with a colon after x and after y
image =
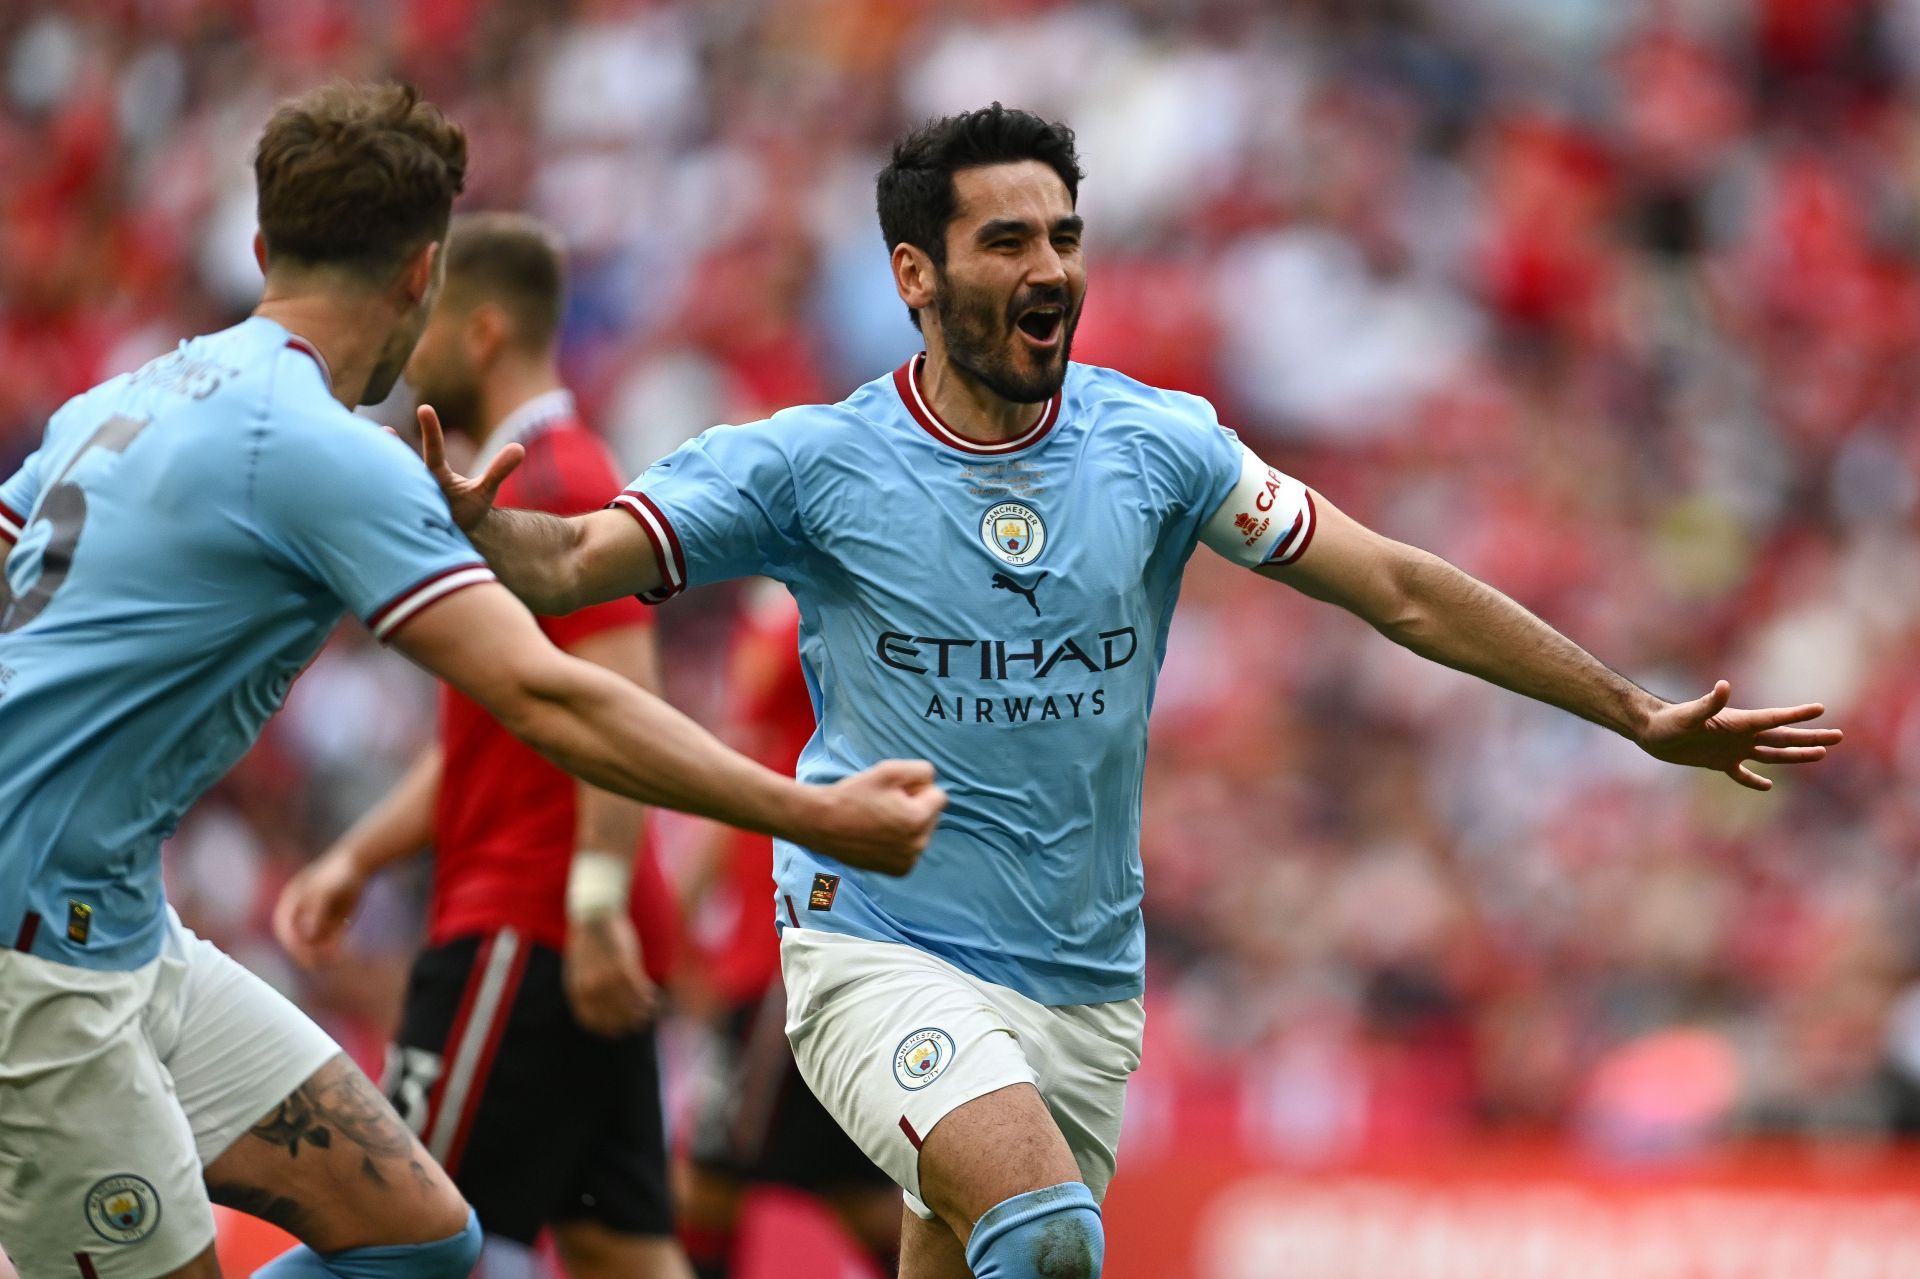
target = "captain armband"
x: 1267, y: 519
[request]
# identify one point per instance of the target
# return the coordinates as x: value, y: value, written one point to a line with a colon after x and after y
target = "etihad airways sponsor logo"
x: 942, y: 657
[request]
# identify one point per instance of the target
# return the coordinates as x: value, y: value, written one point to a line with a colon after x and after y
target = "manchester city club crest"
x: 123, y: 1209
x: 921, y: 1057
x: 1014, y: 532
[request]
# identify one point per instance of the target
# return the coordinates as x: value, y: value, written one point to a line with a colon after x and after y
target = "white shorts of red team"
x: 117, y: 1088
x: 892, y: 1039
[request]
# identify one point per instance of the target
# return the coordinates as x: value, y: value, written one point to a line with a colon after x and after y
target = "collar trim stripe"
x: 906, y: 381
x: 297, y: 343
x: 542, y: 412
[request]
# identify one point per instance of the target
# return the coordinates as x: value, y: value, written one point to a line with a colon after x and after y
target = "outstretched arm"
x: 605, y: 731
x: 1420, y: 601
x: 554, y: 563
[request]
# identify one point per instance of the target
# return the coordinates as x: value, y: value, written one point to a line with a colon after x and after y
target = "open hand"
x: 606, y: 986
x: 315, y: 907
x: 881, y: 819
x: 1704, y: 733
x: 468, y: 499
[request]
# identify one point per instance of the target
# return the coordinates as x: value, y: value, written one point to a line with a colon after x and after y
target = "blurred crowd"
x: 1615, y: 303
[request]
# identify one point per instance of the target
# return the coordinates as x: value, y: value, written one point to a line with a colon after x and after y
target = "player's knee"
x: 1054, y: 1233
x: 453, y: 1257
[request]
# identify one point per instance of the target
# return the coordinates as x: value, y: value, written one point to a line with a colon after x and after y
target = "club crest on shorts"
x: 123, y: 1209
x: 921, y: 1057
x: 1014, y: 531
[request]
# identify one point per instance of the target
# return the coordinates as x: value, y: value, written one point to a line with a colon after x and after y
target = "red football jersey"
x: 504, y: 820
x: 772, y: 710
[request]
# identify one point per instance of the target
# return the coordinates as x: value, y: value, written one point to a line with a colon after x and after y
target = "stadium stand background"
x: 1615, y: 303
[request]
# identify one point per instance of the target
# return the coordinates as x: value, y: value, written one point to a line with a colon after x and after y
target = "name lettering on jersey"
x: 997, y: 659
x: 190, y: 375
x: 1017, y: 480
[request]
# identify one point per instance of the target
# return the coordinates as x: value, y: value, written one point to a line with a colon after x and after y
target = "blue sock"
x: 449, y: 1258
x: 1053, y: 1233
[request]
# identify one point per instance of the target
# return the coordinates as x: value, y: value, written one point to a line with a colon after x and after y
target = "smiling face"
x: 1009, y: 295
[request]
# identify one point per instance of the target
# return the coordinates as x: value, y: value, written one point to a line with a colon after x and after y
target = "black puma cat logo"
x: 1001, y: 582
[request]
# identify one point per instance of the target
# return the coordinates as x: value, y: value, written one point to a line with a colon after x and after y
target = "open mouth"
x: 1041, y: 324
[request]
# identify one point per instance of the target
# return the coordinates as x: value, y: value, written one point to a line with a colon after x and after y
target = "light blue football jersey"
x: 999, y: 610
x: 184, y: 539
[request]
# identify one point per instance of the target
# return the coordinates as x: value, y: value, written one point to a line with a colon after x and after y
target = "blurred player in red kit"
x: 525, y: 1058
x: 757, y: 1121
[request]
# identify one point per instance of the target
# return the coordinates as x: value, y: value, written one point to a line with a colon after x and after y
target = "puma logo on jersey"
x: 1001, y: 582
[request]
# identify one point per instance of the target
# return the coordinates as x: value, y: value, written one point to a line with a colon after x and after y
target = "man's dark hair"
x: 915, y: 190
x: 509, y: 259
x: 357, y: 176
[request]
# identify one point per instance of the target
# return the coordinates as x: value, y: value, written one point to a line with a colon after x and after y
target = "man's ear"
x: 417, y: 276
x: 914, y: 276
x: 260, y: 250
x: 487, y: 332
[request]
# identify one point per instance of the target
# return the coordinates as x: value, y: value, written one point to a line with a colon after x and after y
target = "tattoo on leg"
x: 293, y: 1122
x: 264, y: 1204
x: 338, y: 1100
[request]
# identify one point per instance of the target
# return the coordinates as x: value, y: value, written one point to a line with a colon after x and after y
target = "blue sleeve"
x: 722, y: 505
x: 1194, y: 461
x: 353, y: 509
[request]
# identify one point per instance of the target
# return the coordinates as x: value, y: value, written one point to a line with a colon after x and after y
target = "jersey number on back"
x: 65, y: 510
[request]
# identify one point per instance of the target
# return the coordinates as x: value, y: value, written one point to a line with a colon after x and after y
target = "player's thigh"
x: 1086, y: 1054
x: 332, y: 1164
x: 98, y: 1172
x: 989, y: 1150
x: 895, y: 1043
x: 287, y: 1127
x: 929, y: 1249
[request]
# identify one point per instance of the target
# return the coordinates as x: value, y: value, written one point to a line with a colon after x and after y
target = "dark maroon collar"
x: 906, y: 380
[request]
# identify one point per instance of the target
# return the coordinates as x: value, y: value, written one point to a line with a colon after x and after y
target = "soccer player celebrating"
x: 986, y: 545
x: 181, y: 544
x: 524, y: 1060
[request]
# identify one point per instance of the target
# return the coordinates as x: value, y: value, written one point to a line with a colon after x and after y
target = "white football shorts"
x: 117, y: 1088
x: 891, y: 1039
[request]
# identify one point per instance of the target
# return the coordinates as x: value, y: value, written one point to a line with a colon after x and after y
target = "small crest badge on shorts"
x: 1014, y: 531
x: 123, y: 1208
x: 921, y: 1057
